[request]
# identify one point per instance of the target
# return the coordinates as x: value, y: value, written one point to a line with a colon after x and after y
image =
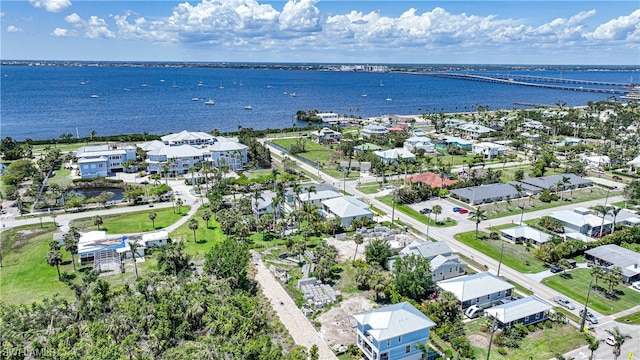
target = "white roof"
x: 220, y: 146
x: 518, y: 309
x: 427, y: 249
x: 151, y: 145
x: 93, y: 241
x: 475, y: 128
x: 394, y: 154
x: 576, y: 219
x: 155, y: 236
x: 187, y: 136
x: 318, y: 195
x: 635, y: 162
x: 392, y: 321
x: 527, y: 232
x: 88, y: 160
x: 176, y: 151
x: 344, y: 207
x: 474, y: 286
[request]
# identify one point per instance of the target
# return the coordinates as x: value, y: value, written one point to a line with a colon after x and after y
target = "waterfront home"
x: 525, y: 234
x: 481, y: 289
x: 444, y: 264
x: 392, y: 332
x: 188, y: 138
x: 102, y: 160
x: 226, y: 152
x: 568, y: 142
x: 431, y: 179
x: 419, y: 142
x: 347, y: 209
x: 526, y: 311
x: 582, y: 221
x: 473, y: 130
x: 326, y: 136
x: 487, y: 149
x: 455, y: 141
x: 485, y: 193
x: 373, y: 129
x: 392, y: 155
x: 611, y: 255
x: 176, y: 159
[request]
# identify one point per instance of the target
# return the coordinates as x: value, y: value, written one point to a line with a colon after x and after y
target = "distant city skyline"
x: 423, y: 32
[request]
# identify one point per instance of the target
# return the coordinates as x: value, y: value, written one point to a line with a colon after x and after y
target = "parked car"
x: 456, y: 208
x: 474, y: 311
x: 616, y: 177
x: 590, y: 317
x: 463, y: 211
x: 564, y: 302
x: 636, y: 285
x: 611, y: 341
x: 425, y: 211
x: 556, y: 269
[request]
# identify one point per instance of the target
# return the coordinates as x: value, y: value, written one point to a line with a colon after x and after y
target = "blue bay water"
x: 41, y: 102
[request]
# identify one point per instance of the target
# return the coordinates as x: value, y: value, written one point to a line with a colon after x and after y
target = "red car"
x: 463, y: 211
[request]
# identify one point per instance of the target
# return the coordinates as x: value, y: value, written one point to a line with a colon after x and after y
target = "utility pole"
x: 393, y: 210
x: 494, y: 327
x: 500, y: 262
x: 428, y: 223
x: 586, y: 303
x: 521, y: 214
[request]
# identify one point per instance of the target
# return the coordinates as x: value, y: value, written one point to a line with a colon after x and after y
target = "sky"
x: 324, y: 31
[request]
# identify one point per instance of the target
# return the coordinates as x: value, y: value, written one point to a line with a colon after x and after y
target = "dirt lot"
x: 338, y: 325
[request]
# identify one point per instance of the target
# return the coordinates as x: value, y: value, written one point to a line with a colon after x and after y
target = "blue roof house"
x: 392, y: 332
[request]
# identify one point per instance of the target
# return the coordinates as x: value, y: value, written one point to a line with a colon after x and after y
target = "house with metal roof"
x: 625, y: 217
x: 316, y: 198
x: 485, y: 193
x: 264, y: 204
x: 552, y: 181
x: 392, y: 332
x: 581, y: 220
x: 481, y: 289
x: 347, y: 209
x: 525, y: 234
x: 226, y: 152
x: 474, y: 130
x: 487, y: 149
x: 443, y: 263
x: 611, y: 255
x: 373, y: 129
x: 178, y: 159
x: 525, y: 311
x: 392, y: 155
x: 188, y: 138
x: 102, y: 160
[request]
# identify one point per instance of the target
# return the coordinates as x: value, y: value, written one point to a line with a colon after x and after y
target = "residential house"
x: 328, y: 117
x: 525, y: 234
x: 373, y: 129
x: 611, y: 255
x: 552, y: 181
x: 102, y: 160
x: 473, y: 130
x: 625, y: 217
x: 528, y: 189
x: 392, y: 155
x: 188, y: 138
x: 419, y: 142
x: 635, y: 163
x: 485, y: 193
x: 487, y: 149
x: 568, y: 142
x: 431, y: 179
x: 326, y: 136
x: 92, y: 243
x: 264, y: 204
x: 317, y: 197
x: 154, y: 239
x: 392, y: 332
x: 456, y: 141
x: 481, y: 289
x: 444, y: 265
x: 597, y: 161
x: 347, y: 209
x: 526, y: 311
x: 582, y: 221
x: 177, y: 159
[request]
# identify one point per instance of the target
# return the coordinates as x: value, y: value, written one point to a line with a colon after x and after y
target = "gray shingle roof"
x: 547, y: 182
x: 428, y: 250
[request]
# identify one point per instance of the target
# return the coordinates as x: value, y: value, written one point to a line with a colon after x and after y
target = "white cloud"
x: 59, y: 32
x: 621, y: 28
x: 51, y: 5
x: 94, y: 28
x: 300, y: 16
x: 13, y: 29
x: 73, y: 19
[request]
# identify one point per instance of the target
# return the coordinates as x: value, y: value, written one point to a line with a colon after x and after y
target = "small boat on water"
x: 126, y: 89
x: 209, y: 102
x: 194, y: 99
x: 94, y: 96
x: 200, y: 83
x: 144, y: 85
x: 162, y: 80
x: 269, y: 86
x: 174, y: 85
x: 221, y: 87
x: 364, y: 94
x: 381, y: 83
x: 285, y: 93
x: 388, y: 98
x: 82, y: 82
x: 293, y: 94
x: 248, y: 107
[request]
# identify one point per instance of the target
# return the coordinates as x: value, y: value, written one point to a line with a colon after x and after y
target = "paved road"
x: 292, y: 318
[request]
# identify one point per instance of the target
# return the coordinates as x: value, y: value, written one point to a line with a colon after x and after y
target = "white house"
x: 419, y: 142
x: 226, y: 152
x: 392, y: 155
x: 102, y: 160
x: 347, y: 208
x: 392, y: 332
x: 325, y: 136
x: 265, y: 204
x: 481, y: 289
x: 487, y: 149
x: 374, y: 129
x: 582, y: 221
x: 611, y: 255
x: 317, y: 197
x: 188, y: 138
x: 474, y: 130
x: 525, y: 234
x: 178, y: 159
x: 597, y: 160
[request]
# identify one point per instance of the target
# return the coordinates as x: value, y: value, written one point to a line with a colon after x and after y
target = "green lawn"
x: 577, y: 285
x: 630, y: 319
x: 407, y: 210
x: 369, y: 188
x: 314, y: 151
x: 26, y: 276
x: 515, y: 256
x: 62, y: 177
x: 541, y: 344
x: 135, y: 222
x: 206, y: 237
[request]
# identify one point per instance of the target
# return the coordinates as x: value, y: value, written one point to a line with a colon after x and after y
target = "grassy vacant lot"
x: 205, y: 237
x: 514, y: 256
x: 541, y: 344
x: 630, y: 319
x: 370, y: 188
x: 314, y: 151
x: 576, y: 286
x: 508, y: 208
x: 416, y: 214
x: 135, y: 222
x: 26, y: 276
x: 62, y: 177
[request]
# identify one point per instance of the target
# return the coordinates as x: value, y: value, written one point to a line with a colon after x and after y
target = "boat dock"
x: 545, y: 82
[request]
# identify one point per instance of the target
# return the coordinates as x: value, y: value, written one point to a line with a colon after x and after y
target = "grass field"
x: 630, y: 319
x: 576, y: 287
x: 62, y: 177
x: 416, y: 214
x: 370, y: 188
x: 26, y: 276
x: 541, y: 344
x: 135, y: 222
x: 515, y: 256
x: 314, y: 151
x: 206, y: 237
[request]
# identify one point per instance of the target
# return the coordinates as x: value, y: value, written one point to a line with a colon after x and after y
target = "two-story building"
x: 373, y: 129
x: 487, y: 149
x: 419, y: 142
x: 347, y: 209
x: 102, y: 160
x: 326, y: 136
x: 393, y: 332
x: 444, y: 264
x: 177, y: 159
x: 481, y: 289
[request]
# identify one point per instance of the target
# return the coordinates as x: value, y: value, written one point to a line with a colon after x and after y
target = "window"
x: 399, y: 338
x: 384, y: 356
x: 407, y: 349
x: 488, y: 296
x: 388, y: 342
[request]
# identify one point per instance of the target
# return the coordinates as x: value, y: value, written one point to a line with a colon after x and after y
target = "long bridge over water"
x: 542, y: 82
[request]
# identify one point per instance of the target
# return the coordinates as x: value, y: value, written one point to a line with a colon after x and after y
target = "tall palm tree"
x: 620, y: 338
x: 71, y: 240
x: 478, y: 216
x: 54, y: 257
x: 97, y: 221
x: 179, y: 204
x: 593, y: 344
x: 614, y: 211
x: 296, y: 191
x: 206, y: 216
x: 437, y: 210
x: 597, y: 272
x: 152, y: 217
x: 257, y: 196
x: 358, y: 239
x: 134, y: 246
x: 193, y: 226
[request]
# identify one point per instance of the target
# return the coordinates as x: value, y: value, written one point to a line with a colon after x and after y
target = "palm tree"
x: 257, y: 196
x: 478, y: 216
x: 152, y: 217
x: 71, y: 240
x: 134, y: 246
x: 593, y: 344
x: 206, y: 216
x: 378, y: 283
x: 358, y: 239
x: 597, y: 272
x: 565, y: 180
x: 437, y: 210
x: 296, y: 191
x: 97, y: 221
x: 93, y: 134
x: 193, y: 225
x: 520, y: 191
x: 619, y: 338
x: 54, y: 257
x: 614, y: 211
x: 179, y: 204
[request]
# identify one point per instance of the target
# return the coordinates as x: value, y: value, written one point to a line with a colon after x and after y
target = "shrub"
x: 502, y: 351
x: 540, y: 325
x: 531, y: 328
x: 494, y: 235
x: 548, y: 324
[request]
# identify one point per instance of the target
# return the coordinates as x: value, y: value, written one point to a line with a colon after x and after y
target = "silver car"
x: 590, y: 317
x: 564, y: 302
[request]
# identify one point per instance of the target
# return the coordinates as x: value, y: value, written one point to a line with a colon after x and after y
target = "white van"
x: 474, y: 311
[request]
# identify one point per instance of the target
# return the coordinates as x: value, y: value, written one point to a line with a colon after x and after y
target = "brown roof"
x: 431, y: 179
